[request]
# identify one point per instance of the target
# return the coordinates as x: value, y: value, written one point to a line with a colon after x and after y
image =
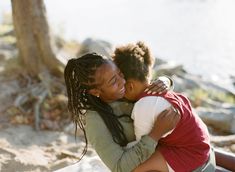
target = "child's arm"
x: 157, y: 162
x: 160, y: 85
x: 145, y: 112
x: 163, y: 126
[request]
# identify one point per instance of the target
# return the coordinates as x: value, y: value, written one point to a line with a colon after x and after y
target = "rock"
x: 158, y: 61
x: 184, y: 83
x: 223, y: 141
x: 169, y: 69
x: 233, y: 80
x: 232, y: 148
x: 215, y: 86
x: 223, y: 119
x: 97, y: 46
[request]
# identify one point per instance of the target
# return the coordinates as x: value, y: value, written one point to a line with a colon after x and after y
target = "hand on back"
x: 165, y: 122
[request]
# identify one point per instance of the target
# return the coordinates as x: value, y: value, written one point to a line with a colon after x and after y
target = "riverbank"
x: 43, y: 140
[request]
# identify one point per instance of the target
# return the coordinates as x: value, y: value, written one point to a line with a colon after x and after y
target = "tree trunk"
x: 33, y: 39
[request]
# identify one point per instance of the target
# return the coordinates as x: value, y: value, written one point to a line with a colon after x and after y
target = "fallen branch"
x: 37, y: 109
x: 223, y: 140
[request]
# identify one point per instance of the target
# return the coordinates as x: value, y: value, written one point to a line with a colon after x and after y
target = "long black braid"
x: 79, y: 78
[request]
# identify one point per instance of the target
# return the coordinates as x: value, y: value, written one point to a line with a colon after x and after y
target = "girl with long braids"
x: 94, y: 85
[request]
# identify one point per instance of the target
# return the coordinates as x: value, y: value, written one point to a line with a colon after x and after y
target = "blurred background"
x: 200, y: 34
x: 192, y: 40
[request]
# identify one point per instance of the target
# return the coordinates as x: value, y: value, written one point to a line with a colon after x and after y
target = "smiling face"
x: 110, y: 81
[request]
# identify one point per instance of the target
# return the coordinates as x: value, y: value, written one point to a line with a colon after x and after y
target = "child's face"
x: 128, y: 93
x: 133, y: 89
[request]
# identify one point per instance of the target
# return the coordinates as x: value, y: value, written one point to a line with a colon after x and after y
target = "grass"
x: 198, y: 95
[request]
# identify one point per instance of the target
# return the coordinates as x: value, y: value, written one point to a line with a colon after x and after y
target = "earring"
x: 98, y: 96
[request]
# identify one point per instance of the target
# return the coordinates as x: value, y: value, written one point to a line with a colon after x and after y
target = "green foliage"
x: 5, y: 28
x: 7, y: 34
x: 9, y: 39
x: 154, y: 74
x: 198, y: 95
x: 222, y: 97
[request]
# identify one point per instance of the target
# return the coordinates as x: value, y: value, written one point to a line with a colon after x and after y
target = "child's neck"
x: 141, y: 87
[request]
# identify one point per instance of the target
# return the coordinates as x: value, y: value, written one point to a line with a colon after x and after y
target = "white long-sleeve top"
x: 144, y: 114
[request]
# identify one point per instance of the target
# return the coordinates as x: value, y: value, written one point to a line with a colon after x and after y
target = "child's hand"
x: 165, y: 122
x: 161, y: 85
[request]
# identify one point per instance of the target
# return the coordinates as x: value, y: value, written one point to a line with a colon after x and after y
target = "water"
x: 200, y: 34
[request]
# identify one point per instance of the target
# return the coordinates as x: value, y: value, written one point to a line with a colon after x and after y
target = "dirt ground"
x: 24, y: 149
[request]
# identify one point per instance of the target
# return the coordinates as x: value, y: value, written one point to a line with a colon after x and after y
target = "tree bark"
x: 33, y: 38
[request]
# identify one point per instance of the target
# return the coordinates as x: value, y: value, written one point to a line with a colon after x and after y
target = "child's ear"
x: 94, y: 92
x: 129, y: 86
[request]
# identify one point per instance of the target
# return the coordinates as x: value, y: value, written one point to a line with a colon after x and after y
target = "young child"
x: 187, y: 146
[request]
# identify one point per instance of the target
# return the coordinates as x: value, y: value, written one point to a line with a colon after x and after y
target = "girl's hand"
x: 165, y: 122
x: 161, y: 85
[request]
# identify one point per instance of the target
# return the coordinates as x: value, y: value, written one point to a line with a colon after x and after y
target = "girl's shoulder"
x: 151, y: 100
x: 151, y: 104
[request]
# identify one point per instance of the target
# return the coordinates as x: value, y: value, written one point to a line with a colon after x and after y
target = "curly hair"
x: 134, y: 61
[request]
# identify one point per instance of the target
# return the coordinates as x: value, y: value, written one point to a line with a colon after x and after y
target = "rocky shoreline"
x: 22, y: 148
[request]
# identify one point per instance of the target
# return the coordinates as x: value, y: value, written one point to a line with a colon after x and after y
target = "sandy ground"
x: 22, y: 149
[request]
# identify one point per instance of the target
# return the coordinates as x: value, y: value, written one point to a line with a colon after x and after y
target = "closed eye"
x: 120, y: 74
x: 114, y: 80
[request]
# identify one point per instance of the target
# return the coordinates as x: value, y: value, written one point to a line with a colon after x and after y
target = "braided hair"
x: 79, y: 79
